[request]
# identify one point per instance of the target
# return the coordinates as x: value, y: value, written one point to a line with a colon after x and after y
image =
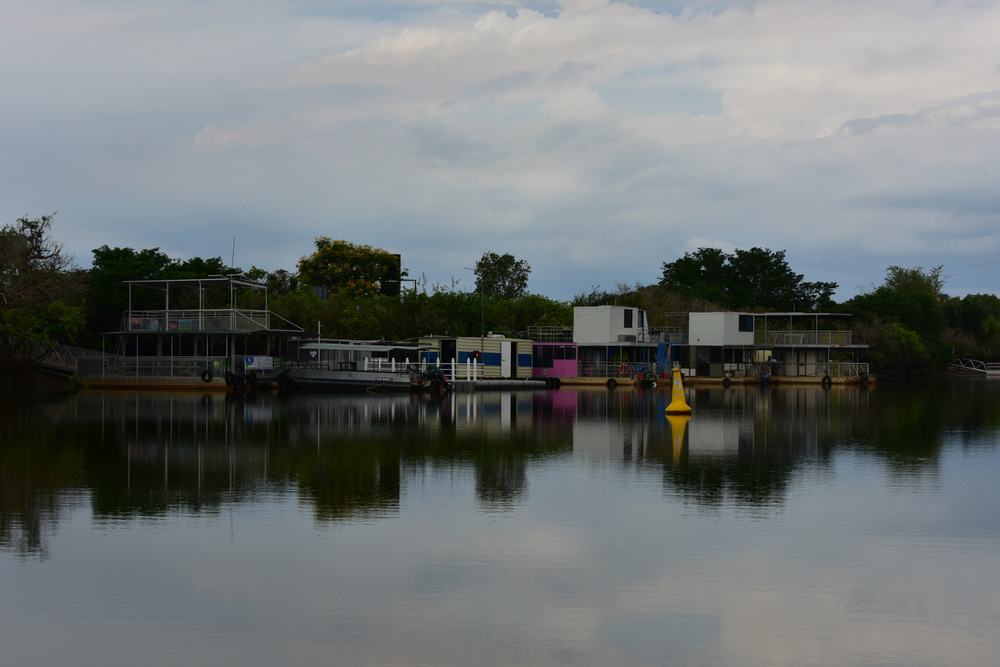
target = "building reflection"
x: 352, y: 457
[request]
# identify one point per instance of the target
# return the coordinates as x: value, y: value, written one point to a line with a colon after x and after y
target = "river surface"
x: 782, y: 526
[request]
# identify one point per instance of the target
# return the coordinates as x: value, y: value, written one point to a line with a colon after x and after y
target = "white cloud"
x: 596, y: 139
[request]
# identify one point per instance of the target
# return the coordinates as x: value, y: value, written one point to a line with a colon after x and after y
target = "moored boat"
x: 325, y: 365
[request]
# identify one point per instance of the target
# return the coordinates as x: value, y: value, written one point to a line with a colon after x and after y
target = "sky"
x: 595, y: 140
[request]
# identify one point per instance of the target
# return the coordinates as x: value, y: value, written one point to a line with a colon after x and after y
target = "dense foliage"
x: 912, y: 325
x: 502, y: 276
x: 40, y: 296
x: 353, y: 270
x: 758, y: 278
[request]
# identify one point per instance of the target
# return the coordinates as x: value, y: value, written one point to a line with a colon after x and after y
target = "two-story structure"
x: 618, y: 342
x: 202, y: 333
x: 804, y: 347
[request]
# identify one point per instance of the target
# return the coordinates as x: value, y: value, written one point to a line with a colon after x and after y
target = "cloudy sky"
x: 593, y: 139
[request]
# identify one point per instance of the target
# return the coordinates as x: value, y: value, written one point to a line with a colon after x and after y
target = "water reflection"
x: 351, y: 457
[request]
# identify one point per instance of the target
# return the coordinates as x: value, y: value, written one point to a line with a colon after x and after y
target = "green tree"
x: 912, y: 297
x: 502, y: 276
x: 357, y: 270
x: 40, y: 296
x: 908, y: 312
x: 700, y: 274
x: 762, y: 278
x: 107, y: 295
x: 746, y: 279
x: 278, y: 282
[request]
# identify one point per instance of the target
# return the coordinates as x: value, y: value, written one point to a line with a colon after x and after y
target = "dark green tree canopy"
x: 502, y: 276
x: 746, y: 279
x: 906, y: 318
x: 40, y: 295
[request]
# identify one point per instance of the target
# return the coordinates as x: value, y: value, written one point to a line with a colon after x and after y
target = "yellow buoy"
x: 677, y: 403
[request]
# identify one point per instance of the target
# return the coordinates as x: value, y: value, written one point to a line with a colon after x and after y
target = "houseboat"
x: 478, y: 358
x: 350, y: 365
x: 206, y: 334
x: 616, y: 345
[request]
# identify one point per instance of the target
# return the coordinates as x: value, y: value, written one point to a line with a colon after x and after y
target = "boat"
x: 187, y: 334
x: 346, y: 365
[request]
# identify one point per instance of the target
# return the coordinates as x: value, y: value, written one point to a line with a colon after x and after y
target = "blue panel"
x: 524, y: 360
x: 661, y: 354
x: 429, y: 357
x: 490, y: 359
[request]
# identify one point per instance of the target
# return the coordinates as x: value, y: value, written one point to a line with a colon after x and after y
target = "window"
x: 628, y: 318
x: 543, y: 356
x: 746, y: 322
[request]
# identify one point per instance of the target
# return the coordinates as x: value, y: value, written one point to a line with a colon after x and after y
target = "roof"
x: 220, y: 282
x: 358, y: 347
x: 826, y: 316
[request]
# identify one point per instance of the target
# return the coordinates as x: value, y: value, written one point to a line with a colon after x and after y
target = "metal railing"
x: 976, y: 366
x: 802, y: 337
x: 842, y: 370
x: 675, y: 335
x: 64, y: 357
x: 163, y: 367
x: 111, y: 365
x: 226, y: 319
x: 615, y: 369
x: 551, y: 334
x: 376, y: 364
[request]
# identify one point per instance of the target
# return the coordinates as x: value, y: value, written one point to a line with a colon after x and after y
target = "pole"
x: 482, y: 314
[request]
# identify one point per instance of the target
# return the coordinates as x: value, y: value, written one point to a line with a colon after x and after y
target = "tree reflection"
x: 352, y: 457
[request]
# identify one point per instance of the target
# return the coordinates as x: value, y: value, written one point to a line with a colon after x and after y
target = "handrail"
x: 976, y: 365
x: 217, y: 319
x: 551, y: 334
x: 793, y: 337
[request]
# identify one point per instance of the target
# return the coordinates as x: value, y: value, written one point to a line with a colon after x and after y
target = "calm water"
x: 788, y: 526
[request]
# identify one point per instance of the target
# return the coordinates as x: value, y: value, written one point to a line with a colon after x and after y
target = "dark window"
x: 746, y: 322
x: 543, y: 356
x: 628, y: 318
x: 642, y: 318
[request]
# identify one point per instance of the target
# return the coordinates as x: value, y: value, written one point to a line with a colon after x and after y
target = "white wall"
x: 597, y: 325
x: 717, y: 329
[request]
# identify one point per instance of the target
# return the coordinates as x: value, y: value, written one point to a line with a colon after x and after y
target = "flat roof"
x: 830, y: 316
x: 221, y: 282
x: 361, y: 347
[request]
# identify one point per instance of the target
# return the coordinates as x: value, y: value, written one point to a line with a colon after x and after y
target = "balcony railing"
x: 674, y: 335
x: 228, y: 319
x: 783, y: 338
x: 551, y: 334
x: 174, y: 367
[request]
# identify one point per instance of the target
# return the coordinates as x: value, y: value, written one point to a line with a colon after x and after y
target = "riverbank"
x: 36, y: 384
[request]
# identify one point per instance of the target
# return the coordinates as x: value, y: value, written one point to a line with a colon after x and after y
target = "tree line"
x: 354, y: 291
